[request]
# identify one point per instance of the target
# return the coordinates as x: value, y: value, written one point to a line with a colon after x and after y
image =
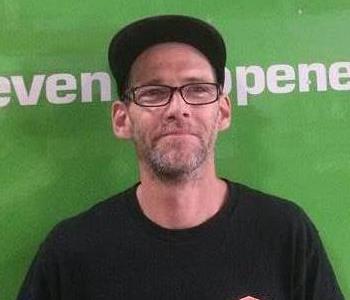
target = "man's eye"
x: 153, y: 93
x: 198, y: 89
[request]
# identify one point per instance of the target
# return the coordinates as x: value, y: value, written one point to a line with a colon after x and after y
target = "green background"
x: 57, y: 160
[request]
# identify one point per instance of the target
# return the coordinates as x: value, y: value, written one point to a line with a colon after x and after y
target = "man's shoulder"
x: 273, y: 217
x: 256, y: 197
x: 256, y: 205
x: 107, y: 217
x: 108, y: 208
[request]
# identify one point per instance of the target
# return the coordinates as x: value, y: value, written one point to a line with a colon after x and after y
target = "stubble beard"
x: 172, y: 161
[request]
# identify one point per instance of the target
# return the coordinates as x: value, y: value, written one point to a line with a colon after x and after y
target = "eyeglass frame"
x: 173, y: 89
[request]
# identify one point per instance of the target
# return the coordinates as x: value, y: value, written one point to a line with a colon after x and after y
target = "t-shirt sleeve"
x: 314, y: 277
x: 42, y: 279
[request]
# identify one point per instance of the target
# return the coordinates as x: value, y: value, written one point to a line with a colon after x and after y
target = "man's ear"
x: 121, y: 120
x: 224, y: 112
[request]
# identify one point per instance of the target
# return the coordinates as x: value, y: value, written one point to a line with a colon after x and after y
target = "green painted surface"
x: 57, y: 160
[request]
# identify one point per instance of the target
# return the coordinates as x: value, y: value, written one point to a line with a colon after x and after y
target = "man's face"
x: 175, y: 140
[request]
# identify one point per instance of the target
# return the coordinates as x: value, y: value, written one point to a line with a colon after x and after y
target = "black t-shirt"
x: 256, y: 246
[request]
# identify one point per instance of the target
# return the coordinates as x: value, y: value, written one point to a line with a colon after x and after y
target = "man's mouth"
x: 177, y: 133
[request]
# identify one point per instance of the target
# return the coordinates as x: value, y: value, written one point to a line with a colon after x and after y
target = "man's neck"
x: 183, y: 204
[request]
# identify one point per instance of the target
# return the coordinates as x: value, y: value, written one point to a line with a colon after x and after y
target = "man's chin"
x: 180, y: 156
x: 169, y: 172
x: 176, y: 164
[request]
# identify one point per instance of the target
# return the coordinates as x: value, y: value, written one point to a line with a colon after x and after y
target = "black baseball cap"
x: 132, y: 40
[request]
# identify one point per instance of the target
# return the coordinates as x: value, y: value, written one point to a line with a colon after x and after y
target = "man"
x: 181, y: 232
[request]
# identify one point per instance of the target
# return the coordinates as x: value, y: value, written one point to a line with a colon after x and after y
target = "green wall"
x: 58, y: 155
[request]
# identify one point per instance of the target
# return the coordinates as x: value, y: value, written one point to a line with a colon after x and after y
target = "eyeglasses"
x: 161, y: 95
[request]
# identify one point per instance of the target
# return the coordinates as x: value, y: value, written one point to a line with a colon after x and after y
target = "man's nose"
x: 177, y: 108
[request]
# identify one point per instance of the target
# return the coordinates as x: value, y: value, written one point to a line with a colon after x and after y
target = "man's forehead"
x: 168, y: 49
x: 183, y: 56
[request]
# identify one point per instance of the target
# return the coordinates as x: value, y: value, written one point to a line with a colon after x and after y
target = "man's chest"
x: 169, y: 272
